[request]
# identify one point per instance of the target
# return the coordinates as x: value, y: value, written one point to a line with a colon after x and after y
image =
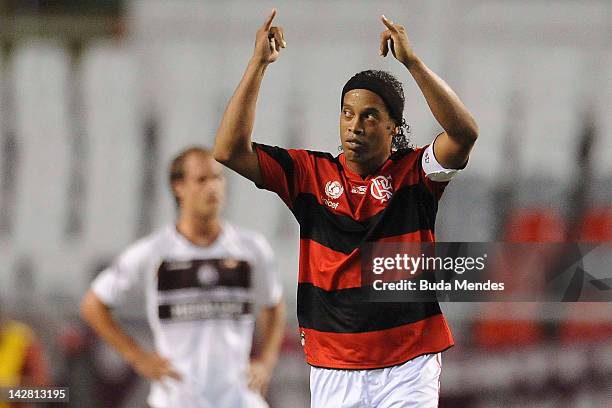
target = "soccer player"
x: 379, y: 189
x: 205, y: 281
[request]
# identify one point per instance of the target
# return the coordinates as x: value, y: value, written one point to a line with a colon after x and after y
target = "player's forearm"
x: 234, y: 134
x: 445, y: 105
x: 273, y: 332
x: 99, y: 317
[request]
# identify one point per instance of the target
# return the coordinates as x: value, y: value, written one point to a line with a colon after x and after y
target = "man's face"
x: 201, y: 192
x: 366, y: 129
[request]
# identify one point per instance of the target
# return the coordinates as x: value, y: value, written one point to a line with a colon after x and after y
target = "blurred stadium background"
x: 97, y: 95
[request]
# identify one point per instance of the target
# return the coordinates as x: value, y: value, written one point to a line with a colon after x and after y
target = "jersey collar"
x: 183, y: 239
x: 356, y: 177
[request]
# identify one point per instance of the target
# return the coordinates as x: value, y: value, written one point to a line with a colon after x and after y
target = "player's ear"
x: 393, y: 130
x: 177, y: 188
x: 392, y: 127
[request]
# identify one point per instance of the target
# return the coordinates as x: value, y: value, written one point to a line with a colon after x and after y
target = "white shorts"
x: 173, y: 394
x: 415, y: 383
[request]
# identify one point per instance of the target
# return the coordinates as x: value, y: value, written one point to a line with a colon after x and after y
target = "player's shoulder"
x: 153, y: 243
x: 319, y: 155
x: 247, y: 238
x: 321, y: 162
x: 312, y: 158
x: 408, y: 157
x: 407, y: 153
x: 296, y: 154
x: 243, y: 234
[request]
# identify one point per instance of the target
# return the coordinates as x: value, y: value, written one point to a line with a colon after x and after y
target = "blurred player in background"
x: 379, y: 189
x: 205, y: 281
x: 22, y: 358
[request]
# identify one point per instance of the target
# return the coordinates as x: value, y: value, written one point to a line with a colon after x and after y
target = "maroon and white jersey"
x: 201, y: 306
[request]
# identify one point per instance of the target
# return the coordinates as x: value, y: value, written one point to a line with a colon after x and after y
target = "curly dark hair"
x: 401, y: 140
x: 392, y: 92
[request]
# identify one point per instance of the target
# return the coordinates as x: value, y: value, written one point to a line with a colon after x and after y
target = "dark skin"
x: 452, y: 147
x: 366, y: 131
x: 366, y: 142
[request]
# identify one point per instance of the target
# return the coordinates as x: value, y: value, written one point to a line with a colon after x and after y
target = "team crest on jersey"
x: 333, y: 189
x: 381, y: 188
x: 208, y: 275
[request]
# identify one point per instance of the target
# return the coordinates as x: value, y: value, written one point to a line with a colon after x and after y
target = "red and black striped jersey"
x: 338, y: 211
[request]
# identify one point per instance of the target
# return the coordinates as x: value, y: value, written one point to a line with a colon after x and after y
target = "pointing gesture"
x: 269, y: 41
x: 395, y: 37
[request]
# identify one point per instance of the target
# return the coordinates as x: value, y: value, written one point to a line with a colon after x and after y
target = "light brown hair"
x: 177, y: 166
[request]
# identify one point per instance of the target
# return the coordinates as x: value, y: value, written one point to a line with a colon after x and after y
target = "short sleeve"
x: 113, y: 283
x: 283, y: 170
x: 268, y: 287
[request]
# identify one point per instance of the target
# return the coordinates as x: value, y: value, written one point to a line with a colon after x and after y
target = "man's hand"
x: 154, y: 367
x: 395, y: 37
x: 453, y: 146
x: 260, y: 373
x: 269, y: 41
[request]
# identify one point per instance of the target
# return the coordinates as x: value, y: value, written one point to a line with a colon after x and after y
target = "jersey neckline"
x: 351, y: 175
x: 183, y: 239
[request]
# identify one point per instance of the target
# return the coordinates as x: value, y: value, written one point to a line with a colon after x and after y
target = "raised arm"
x: 233, y: 139
x: 452, y: 147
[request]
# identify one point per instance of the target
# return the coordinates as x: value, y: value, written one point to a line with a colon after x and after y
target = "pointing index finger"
x: 387, y: 23
x: 268, y: 22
